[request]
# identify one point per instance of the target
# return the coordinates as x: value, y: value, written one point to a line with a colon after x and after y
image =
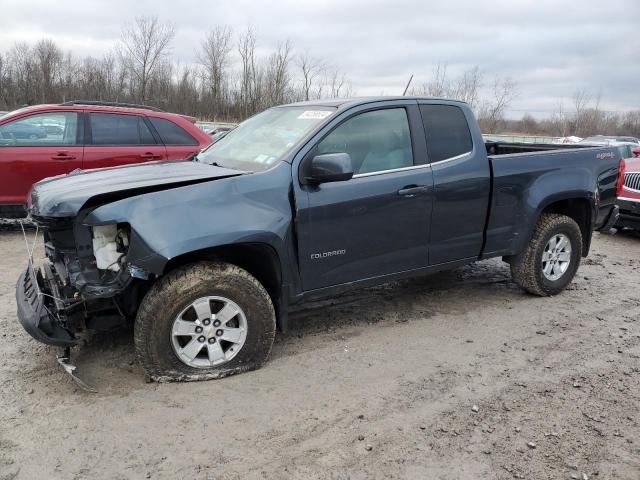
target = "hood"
x: 66, y: 195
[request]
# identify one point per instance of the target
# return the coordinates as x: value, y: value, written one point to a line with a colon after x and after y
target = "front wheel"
x: 550, y: 260
x: 205, y: 320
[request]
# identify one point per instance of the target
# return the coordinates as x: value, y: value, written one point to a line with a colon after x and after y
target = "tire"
x: 171, y: 301
x: 527, y: 267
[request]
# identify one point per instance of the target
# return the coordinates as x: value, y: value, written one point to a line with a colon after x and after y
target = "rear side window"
x: 447, y: 131
x: 115, y: 129
x: 172, y: 134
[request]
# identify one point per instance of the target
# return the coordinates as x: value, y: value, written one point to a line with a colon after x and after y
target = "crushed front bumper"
x: 37, y: 312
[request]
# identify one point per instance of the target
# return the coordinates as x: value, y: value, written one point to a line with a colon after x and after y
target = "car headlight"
x: 110, y: 243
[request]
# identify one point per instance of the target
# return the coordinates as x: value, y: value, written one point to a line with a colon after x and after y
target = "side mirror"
x: 636, y: 152
x: 330, y: 167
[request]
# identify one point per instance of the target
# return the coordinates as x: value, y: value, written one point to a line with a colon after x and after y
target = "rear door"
x: 37, y: 146
x: 179, y: 143
x: 377, y: 223
x: 462, y: 183
x: 115, y: 139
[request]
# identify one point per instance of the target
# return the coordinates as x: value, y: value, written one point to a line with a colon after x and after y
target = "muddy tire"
x: 549, y: 262
x: 204, y: 320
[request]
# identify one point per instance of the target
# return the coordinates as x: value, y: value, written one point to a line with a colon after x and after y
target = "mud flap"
x: 64, y: 359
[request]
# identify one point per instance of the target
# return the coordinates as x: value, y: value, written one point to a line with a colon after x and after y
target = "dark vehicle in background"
x: 629, y: 193
x: 21, y: 131
x: 47, y: 140
x: 301, y: 202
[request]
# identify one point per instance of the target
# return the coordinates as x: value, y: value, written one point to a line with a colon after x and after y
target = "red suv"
x: 46, y: 140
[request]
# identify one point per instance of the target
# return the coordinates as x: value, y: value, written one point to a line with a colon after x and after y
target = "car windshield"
x: 263, y: 140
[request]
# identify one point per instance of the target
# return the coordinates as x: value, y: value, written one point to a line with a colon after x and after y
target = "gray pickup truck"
x: 300, y: 202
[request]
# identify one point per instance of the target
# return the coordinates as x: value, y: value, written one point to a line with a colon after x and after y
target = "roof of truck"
x: 353, y: 101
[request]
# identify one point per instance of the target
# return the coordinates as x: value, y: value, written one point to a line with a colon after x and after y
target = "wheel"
x: 204, y: 320
x: 550, y: 260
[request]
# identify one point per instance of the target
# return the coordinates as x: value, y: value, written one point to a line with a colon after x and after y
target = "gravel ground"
x: 458, y: 375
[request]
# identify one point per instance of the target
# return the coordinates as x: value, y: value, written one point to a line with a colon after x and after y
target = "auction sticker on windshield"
x: 315, y: 114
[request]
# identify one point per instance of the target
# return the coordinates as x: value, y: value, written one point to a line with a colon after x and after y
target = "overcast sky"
x: 550, y: 48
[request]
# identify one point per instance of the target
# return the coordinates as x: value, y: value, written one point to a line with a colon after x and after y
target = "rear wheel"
x: 550, y: 260
x: 205, y: 320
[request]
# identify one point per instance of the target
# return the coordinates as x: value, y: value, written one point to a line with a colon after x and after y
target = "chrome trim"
x: 457, y: 157
x: 628, y: 199
x: 413, y: 167
x: 393, y: 170
x: 632, y: 181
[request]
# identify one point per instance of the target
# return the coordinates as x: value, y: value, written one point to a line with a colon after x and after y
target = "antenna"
x: 407, y: 87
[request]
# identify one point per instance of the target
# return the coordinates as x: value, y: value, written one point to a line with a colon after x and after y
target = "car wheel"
x: 550, y: 260
x: 202, y: 321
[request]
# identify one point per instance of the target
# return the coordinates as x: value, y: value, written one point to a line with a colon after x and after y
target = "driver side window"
x: 44, y: 129
x: 376, y: 141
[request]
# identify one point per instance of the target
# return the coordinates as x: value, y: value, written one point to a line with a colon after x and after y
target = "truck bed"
x: 544, y: 174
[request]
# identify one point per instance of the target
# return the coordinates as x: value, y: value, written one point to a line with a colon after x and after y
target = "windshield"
x: 263, y: 140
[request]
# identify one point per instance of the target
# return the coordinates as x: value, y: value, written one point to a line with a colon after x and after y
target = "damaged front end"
x: 80, y: 286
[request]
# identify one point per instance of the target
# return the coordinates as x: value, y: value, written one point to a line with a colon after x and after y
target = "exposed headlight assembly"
x: 110, y: 243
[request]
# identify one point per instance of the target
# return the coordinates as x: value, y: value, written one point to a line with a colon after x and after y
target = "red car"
x: 46, y: 140
x: 629, y: 193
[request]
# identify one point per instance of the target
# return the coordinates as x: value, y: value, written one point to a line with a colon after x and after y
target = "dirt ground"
x: 455, y: 376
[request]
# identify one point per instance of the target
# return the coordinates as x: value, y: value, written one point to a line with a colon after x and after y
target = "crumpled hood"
x: 65, y: 195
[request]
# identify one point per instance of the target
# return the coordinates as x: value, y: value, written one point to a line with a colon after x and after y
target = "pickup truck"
x: 302, y: 201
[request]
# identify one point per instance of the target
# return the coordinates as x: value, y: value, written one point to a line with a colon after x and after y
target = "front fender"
x: 252, y: 208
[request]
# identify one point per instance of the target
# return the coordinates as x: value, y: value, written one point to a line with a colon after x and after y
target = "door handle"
x: 150, y: 156
x: 413, y: 190
x: 63, y: 155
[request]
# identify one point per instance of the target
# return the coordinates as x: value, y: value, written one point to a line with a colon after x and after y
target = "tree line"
x: 230, y: 81
x: 233, y: 79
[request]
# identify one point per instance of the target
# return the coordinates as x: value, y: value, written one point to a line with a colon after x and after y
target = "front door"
x: 377, y: 223
x: 34, y: 147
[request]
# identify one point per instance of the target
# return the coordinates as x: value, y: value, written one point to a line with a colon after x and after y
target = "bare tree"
x: 437, y: 86
x: 5, y: 85
x: 467, y: 87
x: 214, y: 57
x: 492, y: 112
x: 310, y: 68
x: 588, y: 118
x: 339, y: 85
x: 48, y: 58
x: 277, y: 76
x: 247, y: 49
x: 24, y: 69
x: 143, y: 46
